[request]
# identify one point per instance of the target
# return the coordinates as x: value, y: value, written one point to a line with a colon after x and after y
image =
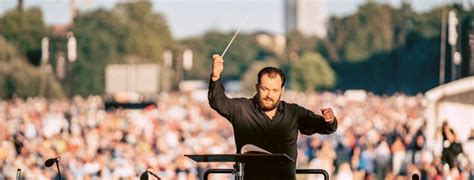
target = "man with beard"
x: 267, y: 122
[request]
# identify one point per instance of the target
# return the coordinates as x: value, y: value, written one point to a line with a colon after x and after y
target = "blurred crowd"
x: 379, y: 137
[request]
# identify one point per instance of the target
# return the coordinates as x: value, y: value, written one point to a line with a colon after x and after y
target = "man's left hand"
x: 327, y: 114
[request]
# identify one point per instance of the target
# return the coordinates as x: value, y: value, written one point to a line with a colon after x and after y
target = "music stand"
x: 240, y: 159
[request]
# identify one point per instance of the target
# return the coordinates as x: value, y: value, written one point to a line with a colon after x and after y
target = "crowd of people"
x: 379, y: 137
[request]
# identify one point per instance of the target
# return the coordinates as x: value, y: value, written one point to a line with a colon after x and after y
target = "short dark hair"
x: 272, y: 72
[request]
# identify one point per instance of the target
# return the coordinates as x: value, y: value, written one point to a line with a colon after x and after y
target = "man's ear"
x: 282, y: 91
x: 256, y: 87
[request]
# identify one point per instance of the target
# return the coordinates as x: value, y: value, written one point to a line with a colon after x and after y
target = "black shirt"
x: 276, y: 135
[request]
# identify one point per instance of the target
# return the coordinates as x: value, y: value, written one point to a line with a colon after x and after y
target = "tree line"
x: 379, y: 48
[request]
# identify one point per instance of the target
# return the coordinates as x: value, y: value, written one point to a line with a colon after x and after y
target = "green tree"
x: 104, y: 37
x: 98, y: 43
x: 24, y: 30
x: 385, y: 49
x: 299, y: 43
x: 311, y: 72
x: 366, y: 32
x: 19, y: 78
x: 146, y: 33
x: 243, y: 51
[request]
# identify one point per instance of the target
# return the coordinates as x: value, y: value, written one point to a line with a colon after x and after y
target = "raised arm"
x: 310, y: 123
x: 217, y: 67
x: 216, y: 95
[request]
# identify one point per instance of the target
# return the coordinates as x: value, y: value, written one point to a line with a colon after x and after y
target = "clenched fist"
x: 217, y: 67
x: 327, y: 114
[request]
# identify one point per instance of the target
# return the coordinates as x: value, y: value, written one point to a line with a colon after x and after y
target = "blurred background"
x: 116, y: 87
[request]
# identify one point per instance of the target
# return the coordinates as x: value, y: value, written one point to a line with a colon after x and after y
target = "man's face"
x: 269, y: 92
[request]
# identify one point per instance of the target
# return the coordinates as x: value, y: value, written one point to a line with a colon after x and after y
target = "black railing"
x: 298, y: 171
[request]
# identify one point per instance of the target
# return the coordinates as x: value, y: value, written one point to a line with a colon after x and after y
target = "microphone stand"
x: 59, y: 171
x: 52, y: 161
x: 153, y: 174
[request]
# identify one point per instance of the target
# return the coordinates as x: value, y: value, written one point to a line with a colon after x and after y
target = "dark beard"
x: 272, y: 107
x: 268, y: 108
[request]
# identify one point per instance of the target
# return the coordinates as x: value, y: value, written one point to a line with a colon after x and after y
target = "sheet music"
x: 252, y: 149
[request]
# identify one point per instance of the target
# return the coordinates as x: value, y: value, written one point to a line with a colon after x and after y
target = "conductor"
x: 267, y: 122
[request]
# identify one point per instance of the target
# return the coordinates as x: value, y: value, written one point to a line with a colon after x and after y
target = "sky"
x: 188, y: 18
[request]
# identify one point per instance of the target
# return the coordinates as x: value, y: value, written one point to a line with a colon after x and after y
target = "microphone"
x: 50, y: 162
x: 144, y: 175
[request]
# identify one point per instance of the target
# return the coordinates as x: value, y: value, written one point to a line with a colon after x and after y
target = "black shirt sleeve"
x: 219, y: 101
x: 310, y: 123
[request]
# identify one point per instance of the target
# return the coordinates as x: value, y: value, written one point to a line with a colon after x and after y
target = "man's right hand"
x: 217, y: 67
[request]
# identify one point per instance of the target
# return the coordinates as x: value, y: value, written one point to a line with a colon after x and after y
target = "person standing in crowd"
x: 451, y: 146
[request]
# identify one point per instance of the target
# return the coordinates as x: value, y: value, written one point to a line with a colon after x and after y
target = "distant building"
x: 305, y: 16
